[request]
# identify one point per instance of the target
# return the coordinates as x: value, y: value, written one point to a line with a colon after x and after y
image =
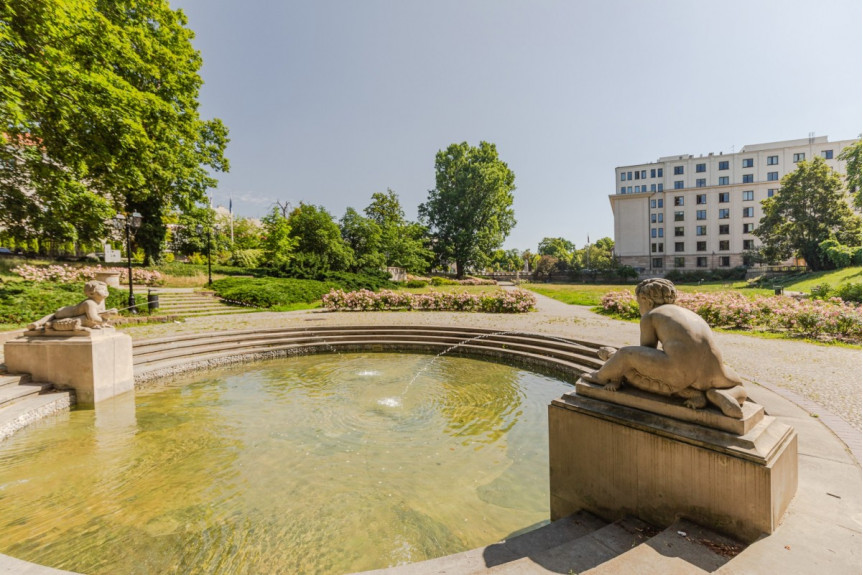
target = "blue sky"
x: 329, y: 101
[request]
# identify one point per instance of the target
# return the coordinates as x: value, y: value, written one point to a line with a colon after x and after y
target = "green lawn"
x: 805, y: 282
x: 591, y: 294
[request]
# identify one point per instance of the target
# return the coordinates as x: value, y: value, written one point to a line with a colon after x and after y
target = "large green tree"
x: 101, y: 98
x: 810, y: 208
x: 852, y: 157
x: 319, y: 239
x: 469, y: 213
x: 402, y: 242
x: 363, y: 236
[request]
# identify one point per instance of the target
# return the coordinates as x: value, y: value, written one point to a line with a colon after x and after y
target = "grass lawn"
x: 805, y: 282
x: 452, y: 289
x: 591, y: 294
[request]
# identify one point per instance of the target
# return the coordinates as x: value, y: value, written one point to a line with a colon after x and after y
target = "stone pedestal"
x: 111, y: 279
x: 97, y: 365
x: 616, y: 460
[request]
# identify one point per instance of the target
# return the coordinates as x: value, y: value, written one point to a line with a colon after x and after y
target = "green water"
x: 316, y: 464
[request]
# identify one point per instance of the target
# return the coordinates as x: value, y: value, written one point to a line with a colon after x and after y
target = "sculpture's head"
x: 655, y: 292
x: 96, y: 290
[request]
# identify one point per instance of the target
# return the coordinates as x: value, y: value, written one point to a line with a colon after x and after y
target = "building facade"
x: 688, y: 213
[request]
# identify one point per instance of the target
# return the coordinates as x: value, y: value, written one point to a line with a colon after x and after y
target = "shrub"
x: 168, y: 258
x: 515, y: 301
x: 439, y: 281
x: 247, y: 258
x: 269, y: 292
x: 821, y: 291
x: 197, y: 259
x: 850, y: 292
x: 416, y: 284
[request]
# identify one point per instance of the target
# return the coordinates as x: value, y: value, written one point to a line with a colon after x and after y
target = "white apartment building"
x: 686, y: 212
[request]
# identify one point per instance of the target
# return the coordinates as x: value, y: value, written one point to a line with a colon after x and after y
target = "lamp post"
x: 131, y: 224
x: 200, y: 229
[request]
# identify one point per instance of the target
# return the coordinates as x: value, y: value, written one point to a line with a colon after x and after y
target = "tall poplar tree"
x: 469, y: 213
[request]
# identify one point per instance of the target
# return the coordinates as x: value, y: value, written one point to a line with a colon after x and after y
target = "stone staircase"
x: 584, y: 544
x: 188, y: 303
x: 23, y: 401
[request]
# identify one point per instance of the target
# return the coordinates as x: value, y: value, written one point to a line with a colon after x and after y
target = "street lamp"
x: 200, y: 229
x: 131, y: 224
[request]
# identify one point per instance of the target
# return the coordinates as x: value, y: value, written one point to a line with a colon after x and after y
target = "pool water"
x: 329, y: 463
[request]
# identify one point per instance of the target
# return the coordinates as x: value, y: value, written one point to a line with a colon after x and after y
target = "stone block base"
x: 614, y: 460
x: 96, y: 365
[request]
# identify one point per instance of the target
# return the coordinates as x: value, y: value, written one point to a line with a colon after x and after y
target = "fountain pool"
x: 312, y: 464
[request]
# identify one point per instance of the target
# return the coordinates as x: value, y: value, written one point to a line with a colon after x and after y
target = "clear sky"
x: 328, y: 102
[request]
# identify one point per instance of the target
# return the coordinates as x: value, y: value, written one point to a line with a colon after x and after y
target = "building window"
x: 659, y: 203
x: 643, y: 174
x: 653, y: 232
x: 748, y: 162
x: 770, y: 192
x: 748, y: 196
x: 622, y: 189
x: 678, y: 184
x: 652, y: 218
x: 659, y: 217
x: 724, y: 213
x: 678, y: 170
x: 661, y: 232
x: 658, y: 187
x: 678, y: 231
x: 657, y: 248
x: 629, y: 189
x: 799, y: 157
x: 724, y: 245
x: 772, y: 160
x: 724, y: 230
x: 628, y: 175
x: 772, y: 176
x: 724, y: 197
x: 701, y: 261
x: 701, y: 214
x: 652, y: 187
x: 748, y: 244
x: 678, y: 200
x: 748, y: 228
x: 701, y: 183
x: 678, y: 216
x: 678, y: 246
x: 725, y: 261
x: 700, y: 230
x: 659, y: 172
x: 701, y: 246
x: 827, y: 154
x: 652, y: 203
x: 723, y: 165
x: 657, y: 262
x: 653, y: 172
x: 700, y: 168
x: 637, y: 175
x: 749, y: 212
x: 748, y: 178
x: 622, y: 176
x: 723, y: 180
x: 679, y: 262
x: 701, y: 199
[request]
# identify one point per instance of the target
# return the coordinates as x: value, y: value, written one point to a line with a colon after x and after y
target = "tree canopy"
x: 99, y: 113
x: 852, y: 156
x: 810, y: 208
x: 319, y: 243
x: 402, y: 243
x: 469, y: 213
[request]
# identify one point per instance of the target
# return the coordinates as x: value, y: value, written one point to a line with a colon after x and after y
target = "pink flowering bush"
x: 69, y: 274
x: 516, y: 301
x: 830, y: 319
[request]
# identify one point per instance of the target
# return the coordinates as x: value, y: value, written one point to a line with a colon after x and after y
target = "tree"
x: 106, y: 93
x: 278, y: 243
x: 318, y: 239
x: 852, y: 156
x: 557, y: 247
x: 470, y: 211
x: 811, y: 207
x: 363, y: 236
x: 402, y: 242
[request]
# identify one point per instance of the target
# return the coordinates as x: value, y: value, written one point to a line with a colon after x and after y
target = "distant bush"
x: 197, y: 259
x: 416, y: 284
x: 515, y: 301
x: 269, y: 292
x: 680, y: 276
x: 821, y: 291
x: 850, y: 292
x: 439, y: 281
x: 247, y: 258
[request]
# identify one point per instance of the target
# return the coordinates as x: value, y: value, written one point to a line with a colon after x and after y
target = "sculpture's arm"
x: 648, y: 332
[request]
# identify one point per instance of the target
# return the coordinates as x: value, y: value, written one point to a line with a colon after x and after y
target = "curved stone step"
x: 10, y: 394
x: 31, y: 409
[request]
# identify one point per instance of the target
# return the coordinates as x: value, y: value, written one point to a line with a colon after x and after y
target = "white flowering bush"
x: 516, y: 301
x: 826, y: 319
x: 70, y: 274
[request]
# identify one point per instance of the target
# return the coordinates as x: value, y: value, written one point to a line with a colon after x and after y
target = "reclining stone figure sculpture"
x: 688, y: 365
x: 82, y: 317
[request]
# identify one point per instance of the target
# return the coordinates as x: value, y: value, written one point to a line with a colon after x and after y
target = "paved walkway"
x: 823, y: 380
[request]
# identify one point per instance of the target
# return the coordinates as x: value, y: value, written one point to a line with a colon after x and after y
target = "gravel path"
x: 824, y: 380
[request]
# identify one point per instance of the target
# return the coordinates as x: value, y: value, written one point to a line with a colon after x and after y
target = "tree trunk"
x: 459, y: 269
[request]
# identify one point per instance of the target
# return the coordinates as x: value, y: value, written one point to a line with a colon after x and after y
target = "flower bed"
x: 516, y: 301
x: 70, y: 274
x: 831, y: 319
